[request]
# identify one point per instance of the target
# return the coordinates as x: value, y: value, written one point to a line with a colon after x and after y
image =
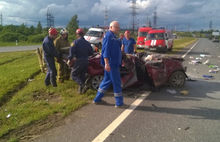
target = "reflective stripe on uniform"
x: 101, y: 90
x: 118, y: 94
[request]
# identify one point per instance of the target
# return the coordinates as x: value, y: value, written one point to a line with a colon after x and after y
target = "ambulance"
x: 142, y: 33
x: 159, y: 40
x: 95, y: 36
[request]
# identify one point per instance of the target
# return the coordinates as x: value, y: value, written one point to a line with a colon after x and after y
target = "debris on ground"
x: 172, y: 91
x: 213, y: 71
x: 190, y: 79
x: 186, y: 128
x: 206, y: 62
x: 208, y: 76
x: 153, y: 106
x: 198, y: 58
x: 9, y: 115
x: 184, y: 92
x: 29, y: 80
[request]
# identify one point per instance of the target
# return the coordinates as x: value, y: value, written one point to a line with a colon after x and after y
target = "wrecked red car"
x: 139, y: 69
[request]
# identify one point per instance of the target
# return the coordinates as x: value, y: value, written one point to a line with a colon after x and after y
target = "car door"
x: 156, y: 70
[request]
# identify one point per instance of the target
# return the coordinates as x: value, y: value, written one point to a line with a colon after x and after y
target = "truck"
x: 95, y: 36
x: 142, y: 34
x: 159, y: 40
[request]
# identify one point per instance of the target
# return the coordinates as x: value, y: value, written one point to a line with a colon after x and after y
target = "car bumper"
x: 141, y: 46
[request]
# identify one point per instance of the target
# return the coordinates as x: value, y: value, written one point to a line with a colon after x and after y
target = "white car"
x: 95, y: 36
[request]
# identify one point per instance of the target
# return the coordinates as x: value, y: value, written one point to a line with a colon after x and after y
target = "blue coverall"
x: 49, y: 53
x: 128, y: 45
x: 111, y: 50
x: 81, y: 49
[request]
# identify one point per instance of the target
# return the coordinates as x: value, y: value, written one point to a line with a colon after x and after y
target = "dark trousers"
x: 51, y: 71
x: 79, y: 70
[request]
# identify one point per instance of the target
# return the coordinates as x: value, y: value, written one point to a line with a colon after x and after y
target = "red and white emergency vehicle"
x: 159, y: 40
x: 142, y: 33
x: 95, y: 36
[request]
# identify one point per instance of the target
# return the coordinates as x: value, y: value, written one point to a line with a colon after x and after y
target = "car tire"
x: 95, y: 81
x: 177, y: 79
x: 100, y: 46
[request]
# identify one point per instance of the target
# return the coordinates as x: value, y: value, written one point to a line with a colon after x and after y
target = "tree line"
x: 11, y: 33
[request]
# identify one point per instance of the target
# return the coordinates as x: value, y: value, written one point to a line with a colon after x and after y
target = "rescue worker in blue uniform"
x: 111, y: 59
x: 81, y: 49
x: 49, y: 53
x: 128, y: 43
x: 121, y: 37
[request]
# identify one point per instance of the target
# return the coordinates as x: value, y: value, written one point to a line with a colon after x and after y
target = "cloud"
x: 91, y: 12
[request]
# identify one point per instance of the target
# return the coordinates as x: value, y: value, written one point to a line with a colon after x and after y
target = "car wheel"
x: 95, y: 81
x: 177, y: 79
x: 100, y: 46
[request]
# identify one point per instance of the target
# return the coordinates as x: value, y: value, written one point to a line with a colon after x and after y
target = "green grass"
x: 22, y: 43
x: 27, y: 101
x: 179, y: 44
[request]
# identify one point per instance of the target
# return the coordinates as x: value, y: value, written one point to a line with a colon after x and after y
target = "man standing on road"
x: 128, y: 44
x: 111, y: 60
x: 49, y: 53
x: 81, y: 49
x: 62, y: 45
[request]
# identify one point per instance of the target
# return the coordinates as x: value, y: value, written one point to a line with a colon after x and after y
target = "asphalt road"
x: 153, y: 116
x: 18, y: 48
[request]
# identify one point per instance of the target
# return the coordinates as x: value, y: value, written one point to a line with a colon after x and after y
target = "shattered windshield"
x: 94, y: 33
x: 155, y: 36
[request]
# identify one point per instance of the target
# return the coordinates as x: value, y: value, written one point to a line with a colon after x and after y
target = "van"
x: 142, y: 33
x: 95, y: 36
x: 159, y: 40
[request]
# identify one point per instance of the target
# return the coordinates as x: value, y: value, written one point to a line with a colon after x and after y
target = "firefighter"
x: 111, y: 59
x: 128, y: 43
x: 40, y: 56
x: 62, y: 45
x: 81, y: 49
x: 49, y: 53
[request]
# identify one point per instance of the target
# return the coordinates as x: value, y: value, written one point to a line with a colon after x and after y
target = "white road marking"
x: 105, y: 133
x: 190, y: 49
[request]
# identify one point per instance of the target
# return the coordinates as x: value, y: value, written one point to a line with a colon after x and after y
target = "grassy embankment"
x: 23, y: 102
x: 24, y: 97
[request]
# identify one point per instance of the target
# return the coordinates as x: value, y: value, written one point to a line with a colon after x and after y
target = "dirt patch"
x: 50, y: 98
x: 31, y: 131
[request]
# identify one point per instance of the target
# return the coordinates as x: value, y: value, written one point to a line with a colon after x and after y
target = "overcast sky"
x: 182, y: 14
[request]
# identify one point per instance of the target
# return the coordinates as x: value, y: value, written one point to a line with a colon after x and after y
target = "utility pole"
x: 1, y: 19
x: 155, y: 18
x: 210, y: 25
x: 106, y: 18
x: 48, y: 18
x: 188, y: 26
x: 133, y: 23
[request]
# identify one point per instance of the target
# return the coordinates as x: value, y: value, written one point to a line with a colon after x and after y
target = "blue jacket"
x: 111, y: 49
x: 128, y: 45
x: 80, y: 48
x: 48, y: 48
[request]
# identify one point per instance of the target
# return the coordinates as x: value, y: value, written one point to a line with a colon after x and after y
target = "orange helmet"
x: 52, y: 31
x: 79, y: 31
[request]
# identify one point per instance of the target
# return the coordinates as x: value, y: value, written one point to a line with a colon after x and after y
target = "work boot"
x: 80, y: 89
x: 84, y: 89
x: 124, y: 106
x: 54, y: 84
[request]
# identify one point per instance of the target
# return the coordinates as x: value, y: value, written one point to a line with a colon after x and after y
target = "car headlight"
x: 159, y: 45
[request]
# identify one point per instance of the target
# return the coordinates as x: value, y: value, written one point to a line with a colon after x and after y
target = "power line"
x: 134, y: 23
x: 106, y: 18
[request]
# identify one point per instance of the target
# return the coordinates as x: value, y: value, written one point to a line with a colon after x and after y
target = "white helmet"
x: 93, y: 47
x: 63, y: 31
